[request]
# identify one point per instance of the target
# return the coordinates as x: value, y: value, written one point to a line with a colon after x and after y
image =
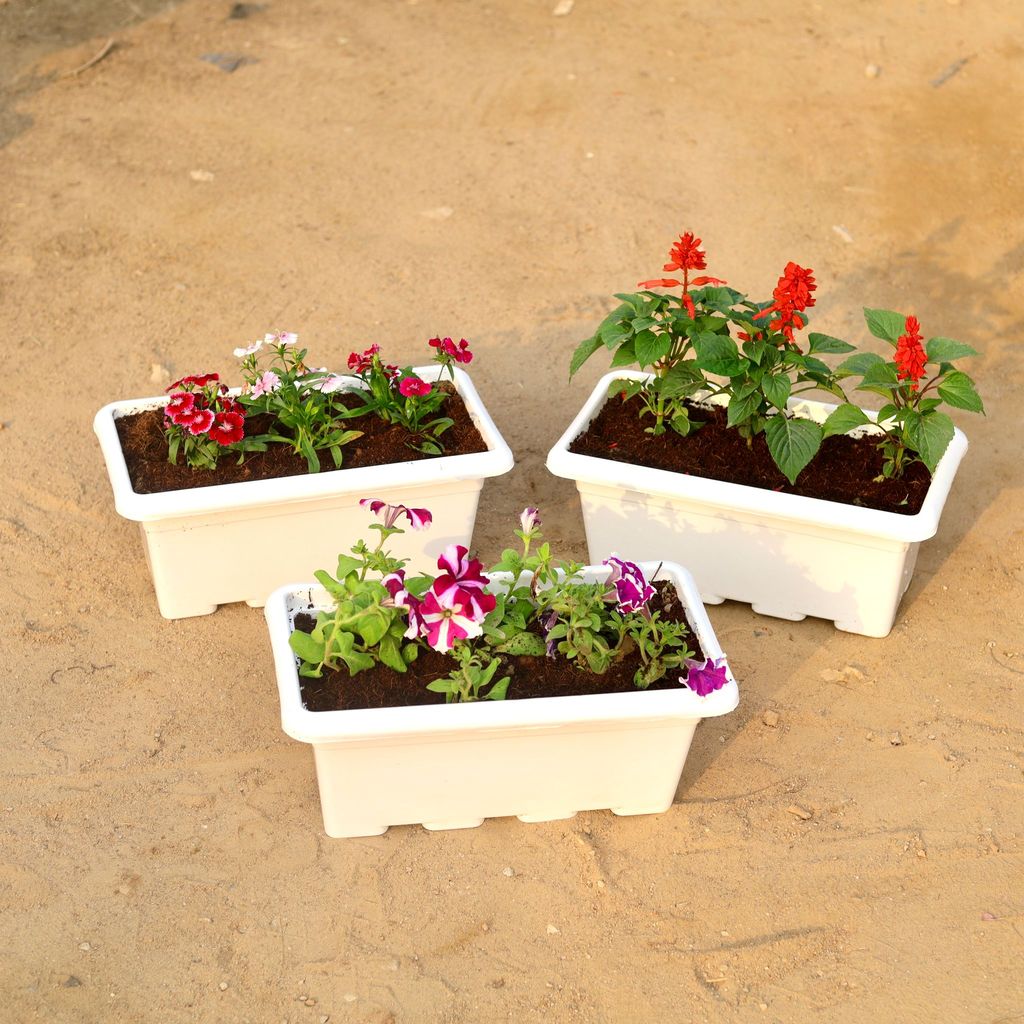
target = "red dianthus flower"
x: 228, y: 428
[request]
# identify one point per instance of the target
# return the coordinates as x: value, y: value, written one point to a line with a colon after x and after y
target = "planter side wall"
x: 432, y: 781
x: 786, y: 572
x: 786, y: 555
x: 538, y: 759
x: 205, y: 561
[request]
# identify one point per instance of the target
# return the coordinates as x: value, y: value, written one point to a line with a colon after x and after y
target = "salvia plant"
x: 710, y: 340
x: 540, y: 606
x: 203, y: 421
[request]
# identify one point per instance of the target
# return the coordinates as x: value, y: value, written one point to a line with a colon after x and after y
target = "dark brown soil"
x: 145, y: 450
x: 382, y: 687
x: 844, y: 469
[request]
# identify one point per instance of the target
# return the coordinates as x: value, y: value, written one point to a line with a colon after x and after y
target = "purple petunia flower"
x: 632, y: 591
x: 547, y: 625
x: 419, y: 518
x: 706, y: 678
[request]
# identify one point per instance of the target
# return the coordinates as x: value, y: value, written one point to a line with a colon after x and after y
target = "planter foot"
x: 170, y: 610
x: 776, y: 614
x: 440, y: 826
x: 711, y: 599
x: 875, y: 629
x: 626, y: 812
x: 356, y: 831
x: 256, y: 602
x: 553, y: 815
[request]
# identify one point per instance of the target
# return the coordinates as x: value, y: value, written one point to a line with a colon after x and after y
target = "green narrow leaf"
x: 651, y: 347
x: 942, y: 350
x: 717, y: 353
x: 776, y: 389
x: 885, y: 324
x: 930, y: 435
x: 792, y: 443
x: 825, y: 344
x: 584, y: 350
x: 957, y: 389
x: 844, y: 419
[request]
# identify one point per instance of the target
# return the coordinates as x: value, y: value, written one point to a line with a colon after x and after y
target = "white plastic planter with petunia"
x: 209, y: 546
x: 787, y: 555
x: 449, y: 766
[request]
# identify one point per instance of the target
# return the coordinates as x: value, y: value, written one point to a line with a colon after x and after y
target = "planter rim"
x: 463, y: 719
x: 366, y: 481
x: 817, y: 512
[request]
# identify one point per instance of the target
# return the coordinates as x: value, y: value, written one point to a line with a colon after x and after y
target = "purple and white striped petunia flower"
x: 419, y: 518
x: 449, y: 617
x: 394, y: 584
x: 417, y: 627
x: 267, y: 384
x: 706, y: 678
x: 632, y: 591
x: 529, y: 519
x: 547, y: 625
x: 463, y: 573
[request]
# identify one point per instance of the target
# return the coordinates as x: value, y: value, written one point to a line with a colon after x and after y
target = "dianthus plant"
x: 545, y: 609
x: 201, y: 421
x: 402, y: 397
x: 915, y: 383
x: 300, y: 400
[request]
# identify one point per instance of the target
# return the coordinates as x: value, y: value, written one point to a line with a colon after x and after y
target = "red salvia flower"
x: 686, y: 254
x: 910, y: 354
x: 228, y: 428
x: 792, y: 295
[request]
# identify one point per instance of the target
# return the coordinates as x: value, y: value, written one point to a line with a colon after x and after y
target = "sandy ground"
x: 384, y: 171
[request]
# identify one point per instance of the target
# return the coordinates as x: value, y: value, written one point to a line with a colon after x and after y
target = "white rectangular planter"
x: 451, y: 766
x: 236, y: 542
x: 787, y: 555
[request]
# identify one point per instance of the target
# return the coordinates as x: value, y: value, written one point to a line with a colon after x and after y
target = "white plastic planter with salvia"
x: 208, y: 546
x: 787, y: 555
x: 449, y: 766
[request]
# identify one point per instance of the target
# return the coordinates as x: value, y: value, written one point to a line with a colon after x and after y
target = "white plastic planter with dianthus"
x: 787, y: 555
x: 208, y: 546
x: 449, y: 766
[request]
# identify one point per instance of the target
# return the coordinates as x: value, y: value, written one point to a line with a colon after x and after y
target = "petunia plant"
x: 710, y: 341
x: 544, y: 608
